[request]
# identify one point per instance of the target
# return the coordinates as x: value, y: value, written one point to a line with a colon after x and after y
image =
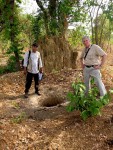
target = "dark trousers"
x: 29, y: 78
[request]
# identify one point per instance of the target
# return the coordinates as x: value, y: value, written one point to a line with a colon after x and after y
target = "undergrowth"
x: 90, y: 104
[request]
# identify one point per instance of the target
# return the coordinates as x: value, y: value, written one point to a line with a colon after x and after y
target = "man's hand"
x: 102, y: 63
x: 83, y: 66
x: 97, y: 66
x: 41, y: 70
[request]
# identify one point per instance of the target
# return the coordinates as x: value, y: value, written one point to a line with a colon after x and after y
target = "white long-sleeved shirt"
x: 35, y: 61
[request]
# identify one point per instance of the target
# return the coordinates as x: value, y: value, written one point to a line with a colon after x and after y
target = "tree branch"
x: 46, y: 15
x: 39, y: 3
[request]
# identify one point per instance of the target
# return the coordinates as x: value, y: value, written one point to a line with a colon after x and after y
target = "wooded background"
x: 58, y: 44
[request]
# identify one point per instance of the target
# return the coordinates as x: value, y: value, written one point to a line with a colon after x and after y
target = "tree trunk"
x: 11, y: 4
x: 103, y: 23
x: 52, y: 8
x: 46, y: 16
x: 92, y: 13
x: 96, y: 24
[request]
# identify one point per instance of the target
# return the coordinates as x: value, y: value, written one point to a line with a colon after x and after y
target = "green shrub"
x: 11, y: 65
x: 89, y: 105
x: 2, y: 69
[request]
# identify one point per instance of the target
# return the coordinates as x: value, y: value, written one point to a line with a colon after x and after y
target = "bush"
x: 2, y: 69
x: 89, y: 105
x: 11, y: 65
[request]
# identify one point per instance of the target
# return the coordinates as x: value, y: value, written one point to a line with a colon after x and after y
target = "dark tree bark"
x: 54, y: 16
x: 1, y: 18
x: 46, y: 16
x: 52, y: 8
x: 11, y: 4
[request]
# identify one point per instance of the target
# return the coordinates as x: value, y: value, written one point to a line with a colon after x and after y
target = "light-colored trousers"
x: 92, y: 72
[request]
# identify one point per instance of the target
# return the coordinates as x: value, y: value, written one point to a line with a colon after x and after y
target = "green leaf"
x: 95, y: 111
x: 70, y: 108
x: 85, y: 114
x: 82, y: 86
x: 96, y: 103
x: 105, y: 101
x: 111, y: 91
x: 70, y: 95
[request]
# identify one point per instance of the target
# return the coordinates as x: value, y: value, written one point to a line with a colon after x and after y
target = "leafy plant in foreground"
x: 89, y: 105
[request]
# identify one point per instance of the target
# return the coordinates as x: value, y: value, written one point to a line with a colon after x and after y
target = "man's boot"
x: 26, y: 95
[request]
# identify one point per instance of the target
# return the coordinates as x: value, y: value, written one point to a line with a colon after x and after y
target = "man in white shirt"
x: 32, y: 67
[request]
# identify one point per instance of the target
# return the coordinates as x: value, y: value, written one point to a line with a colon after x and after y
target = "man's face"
x: 34, y: 48
x: 86, y: 42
